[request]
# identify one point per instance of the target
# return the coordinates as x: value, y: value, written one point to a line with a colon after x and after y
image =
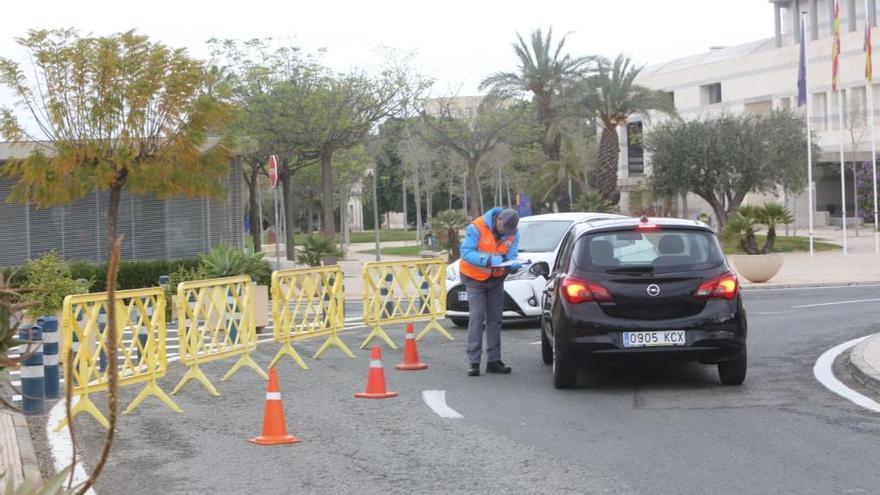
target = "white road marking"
x: 854, y: 301
x: 535, y: 343
x: 822, y: 372
x: 60, y: 445
x: 436, y: 400
x: 821, y: 287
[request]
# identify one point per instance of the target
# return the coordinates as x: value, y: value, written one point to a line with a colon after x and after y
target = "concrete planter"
x: 757, y: 268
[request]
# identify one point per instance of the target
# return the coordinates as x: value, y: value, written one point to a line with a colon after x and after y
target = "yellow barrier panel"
x: 308, y: 303
x: 141, y: 334
x: 216, y: 321
x: 401, y: 291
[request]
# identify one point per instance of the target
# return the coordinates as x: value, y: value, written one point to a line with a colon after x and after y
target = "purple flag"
x: 802, y: 69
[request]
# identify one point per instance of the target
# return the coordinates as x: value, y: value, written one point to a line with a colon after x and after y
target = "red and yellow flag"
x: 835, y: 45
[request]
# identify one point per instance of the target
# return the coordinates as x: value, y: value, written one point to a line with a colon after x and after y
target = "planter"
x: 757, y: 268
x: 329, y: 259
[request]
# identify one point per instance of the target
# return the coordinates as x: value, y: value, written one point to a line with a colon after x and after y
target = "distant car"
x: 642, y: 288
x: 539, y: 242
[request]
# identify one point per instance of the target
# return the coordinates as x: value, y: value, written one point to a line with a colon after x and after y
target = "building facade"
x: 758, y: 76
x: 152, y: 227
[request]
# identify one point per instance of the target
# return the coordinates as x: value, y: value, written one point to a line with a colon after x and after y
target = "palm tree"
x: 613, y: 97
x: 543, y: 71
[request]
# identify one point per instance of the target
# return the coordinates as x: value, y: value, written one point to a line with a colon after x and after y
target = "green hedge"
x: 132, y: 274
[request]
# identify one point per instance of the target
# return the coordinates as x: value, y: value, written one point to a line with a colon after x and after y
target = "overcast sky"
x: 457, y: 42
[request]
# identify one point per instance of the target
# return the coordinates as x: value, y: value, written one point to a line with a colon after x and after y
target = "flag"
x: 802, y: 70
x: 869, y: 65
x: 835, y: 45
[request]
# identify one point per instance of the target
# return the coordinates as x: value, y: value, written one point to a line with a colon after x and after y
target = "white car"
x: 538, y: 242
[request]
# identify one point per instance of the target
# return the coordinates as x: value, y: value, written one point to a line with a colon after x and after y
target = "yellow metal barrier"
x: 401, y: 291
x: 308, y: 303
x: 141, y: 333
x: 216, y: 321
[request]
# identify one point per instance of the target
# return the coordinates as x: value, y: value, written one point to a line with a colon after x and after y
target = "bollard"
x: 102, y: 324
x: 384, y: 291
x: 424, y: 302
x: 164, y: 281
x: 51, y: 376
x: 233, y: 317
x: 33, y: 388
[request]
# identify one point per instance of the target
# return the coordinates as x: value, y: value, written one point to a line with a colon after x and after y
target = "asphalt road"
x: 650, y: 429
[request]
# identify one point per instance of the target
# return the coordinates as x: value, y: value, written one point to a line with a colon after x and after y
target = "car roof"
x: 605, y: 224
x: 573, y: 216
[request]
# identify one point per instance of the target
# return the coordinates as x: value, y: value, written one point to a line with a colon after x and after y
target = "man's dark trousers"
x: 486, y: 302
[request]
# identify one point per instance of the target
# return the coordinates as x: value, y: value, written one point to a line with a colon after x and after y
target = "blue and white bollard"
x: 233, y: 315
x: 164, y: 281
x: 102, y: 324
x: 51, y: 375
x: 384, y: 291
x: 33, y: 387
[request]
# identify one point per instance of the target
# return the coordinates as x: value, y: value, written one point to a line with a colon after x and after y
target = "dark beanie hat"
x: 510, y: 219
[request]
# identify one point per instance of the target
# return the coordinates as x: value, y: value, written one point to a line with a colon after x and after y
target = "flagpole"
x: 870, y: 78
x: 809, y: 104
x: 842, y: 169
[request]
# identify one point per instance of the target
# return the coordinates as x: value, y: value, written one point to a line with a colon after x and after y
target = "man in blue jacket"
x: 489, y: 241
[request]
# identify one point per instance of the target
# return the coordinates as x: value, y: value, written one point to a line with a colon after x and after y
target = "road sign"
x: 273, y: 171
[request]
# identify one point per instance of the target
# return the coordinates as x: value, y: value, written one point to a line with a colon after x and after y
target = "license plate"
x: 654, y: 338
x: 462, y: 296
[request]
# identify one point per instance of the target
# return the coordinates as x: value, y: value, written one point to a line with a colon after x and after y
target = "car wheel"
x: 546, y: 350
x: 564, y: 375
x: 733, y: 372
x: 460, y: 322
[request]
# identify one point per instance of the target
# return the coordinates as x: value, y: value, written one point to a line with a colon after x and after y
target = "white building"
x: 760, y: 75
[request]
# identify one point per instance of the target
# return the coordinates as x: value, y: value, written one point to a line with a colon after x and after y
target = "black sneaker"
x: 497, y: 367
x: 475, y: 370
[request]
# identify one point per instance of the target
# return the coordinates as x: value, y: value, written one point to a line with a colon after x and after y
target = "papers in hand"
x: 511, y: 263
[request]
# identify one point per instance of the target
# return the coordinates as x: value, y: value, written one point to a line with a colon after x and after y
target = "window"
x: 564, y: 254
x: 661, y: 251
x: 671, y: 95
x: 635, y: 151
x: 759, y: 108
x: 710, y: 94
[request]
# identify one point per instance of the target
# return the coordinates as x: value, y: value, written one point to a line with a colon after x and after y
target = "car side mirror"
x: 540, y: 269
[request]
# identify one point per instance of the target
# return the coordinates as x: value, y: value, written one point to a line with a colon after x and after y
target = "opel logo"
x: 653, y: 290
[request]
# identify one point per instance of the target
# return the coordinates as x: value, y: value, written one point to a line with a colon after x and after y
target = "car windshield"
x: 646, y: 253
x: 541, y: 236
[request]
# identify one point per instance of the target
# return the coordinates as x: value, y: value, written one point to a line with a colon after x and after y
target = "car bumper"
x: 521, y: 300
x: 707, y: 339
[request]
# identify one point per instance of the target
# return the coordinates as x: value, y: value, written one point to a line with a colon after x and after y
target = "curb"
x: 24, y: 446
x: 809, y: 285
x: 862, y: 368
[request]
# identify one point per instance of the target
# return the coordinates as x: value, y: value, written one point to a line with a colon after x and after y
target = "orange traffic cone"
x: 274, y: 427
x: 410, y: 352
x: 376, y: 379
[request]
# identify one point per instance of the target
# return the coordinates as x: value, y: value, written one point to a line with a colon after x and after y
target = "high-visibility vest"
x: 486, y: 245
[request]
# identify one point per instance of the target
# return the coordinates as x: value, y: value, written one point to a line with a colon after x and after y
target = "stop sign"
x: 273, y: 171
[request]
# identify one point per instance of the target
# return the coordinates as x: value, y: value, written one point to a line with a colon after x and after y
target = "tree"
x: 114, y: 112
x: 255, y: 72
x: 471, y: 133
x: 725, y: 158
x: 544, y: 72
x: 338, y: 112
x: 612, y: 96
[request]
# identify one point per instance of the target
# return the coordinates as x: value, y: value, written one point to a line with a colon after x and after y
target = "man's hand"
x: 496, y: 260
x: 515, y: 267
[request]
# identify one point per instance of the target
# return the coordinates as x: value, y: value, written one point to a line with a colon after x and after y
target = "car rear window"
x: 656, y: 251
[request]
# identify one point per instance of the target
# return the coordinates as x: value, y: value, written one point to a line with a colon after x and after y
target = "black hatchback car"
x: 651, y: 288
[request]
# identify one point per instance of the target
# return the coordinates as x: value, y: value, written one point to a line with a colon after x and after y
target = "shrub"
x: 132, y: 274
x: 51, y: 281
x: 315, y: 248
x: 749, y: 220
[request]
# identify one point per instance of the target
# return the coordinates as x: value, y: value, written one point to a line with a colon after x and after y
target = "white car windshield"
x: 541, y: 236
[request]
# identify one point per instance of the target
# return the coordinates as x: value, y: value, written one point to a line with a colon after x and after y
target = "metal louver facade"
x: 154, y: 228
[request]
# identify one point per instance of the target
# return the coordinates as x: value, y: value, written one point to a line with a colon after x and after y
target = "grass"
x: 384, y: 235
x: 791, y: 244
x: 396, y: 251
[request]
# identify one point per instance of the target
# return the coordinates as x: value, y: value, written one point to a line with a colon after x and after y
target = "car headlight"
x: 522, y: 274
x: 451, y: 273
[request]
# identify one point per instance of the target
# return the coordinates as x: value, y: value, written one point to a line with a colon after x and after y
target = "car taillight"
x: 722, y: 287
x: 577, y: 290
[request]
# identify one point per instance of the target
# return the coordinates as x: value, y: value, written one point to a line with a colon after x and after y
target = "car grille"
x: 453, y: 304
